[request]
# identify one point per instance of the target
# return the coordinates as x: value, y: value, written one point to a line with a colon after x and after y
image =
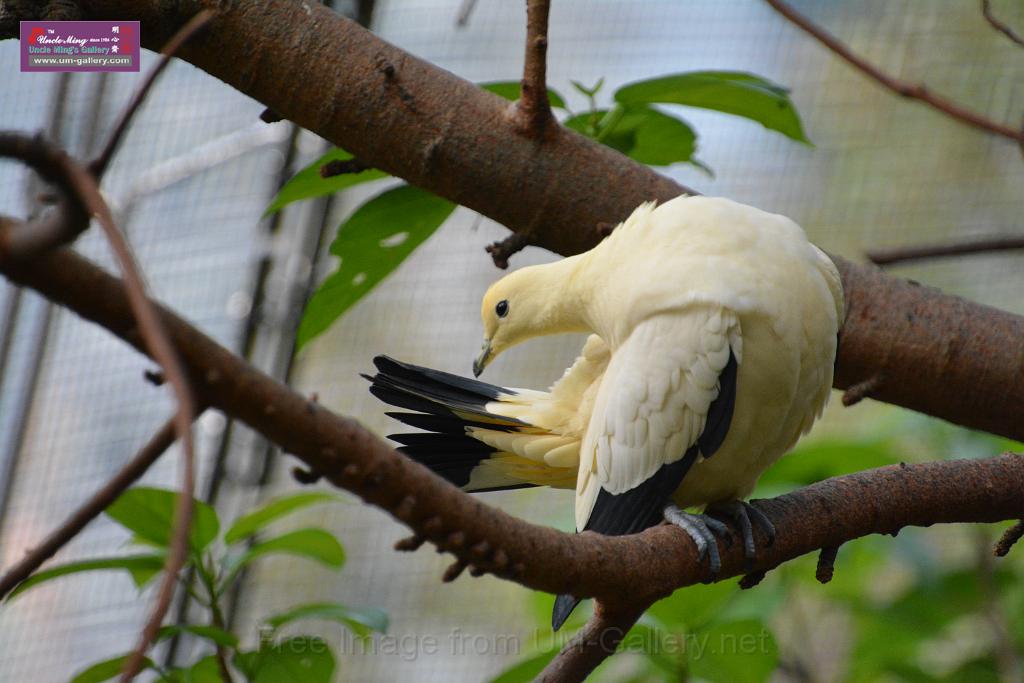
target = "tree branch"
x: 591, y: 645
x: 885, y: 257
x: 914, y: 91
x: 624, y: 572
x: 533, y: 106
x: 986, y: 11
x: 90, y: 510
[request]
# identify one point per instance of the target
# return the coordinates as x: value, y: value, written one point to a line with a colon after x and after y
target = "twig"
x: 913, y: 91
x: 462, y: 18
x: 502, y: 250
x: 342, y: 166
x: 594, y: 643
x: 1008, y: 539
x: 533, y: 108
x: 986, y: 10
x: 861, y: 390
x: 883, y: 257
x: 1007, y: 659
x: 826, y: 564
x: 99, y: 165
x: 81, y: 186
x: 91, y: 509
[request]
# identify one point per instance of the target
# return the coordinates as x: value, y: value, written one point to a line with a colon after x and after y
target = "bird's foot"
x: 702, y: 529
x: 745, y: 516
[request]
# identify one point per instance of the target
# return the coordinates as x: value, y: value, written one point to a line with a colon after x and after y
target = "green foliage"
x: 731, y: 92
x: 384, y: 231
x: 148, y: 513
x: 372, y: 243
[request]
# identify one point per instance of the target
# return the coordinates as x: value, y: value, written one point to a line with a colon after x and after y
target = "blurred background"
x: 190, y: 185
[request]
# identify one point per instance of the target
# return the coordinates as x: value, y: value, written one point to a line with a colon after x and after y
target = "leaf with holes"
x: 308, y: 183
x: 731, y: 92
x: 372, y: 243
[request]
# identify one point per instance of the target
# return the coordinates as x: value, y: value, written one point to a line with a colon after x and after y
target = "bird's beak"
x: 481, y: 361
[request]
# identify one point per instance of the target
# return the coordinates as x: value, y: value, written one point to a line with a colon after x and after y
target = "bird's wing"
x: 665, y: 399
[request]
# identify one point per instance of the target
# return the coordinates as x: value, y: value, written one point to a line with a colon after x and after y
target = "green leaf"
x: 360, y: 621
x: 308, y: 183
x: 589, y: 92
x: 641, y: 133
x: 734, y: 652
x: 107, y: 669
x: 303, y: 659
x: 249, y: 524
x: 149, y: 513
x: 315, y: 544
x: 132, y: 563
x: 692, y: 607
x: 525, y: 670
x: 731, y: 92
x: 510, y: 90
x: 211, y: 633
x: 206, y: 670
x: 372, y: 243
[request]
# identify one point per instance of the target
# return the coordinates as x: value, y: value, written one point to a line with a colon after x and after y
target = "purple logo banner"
x: 79, y: 46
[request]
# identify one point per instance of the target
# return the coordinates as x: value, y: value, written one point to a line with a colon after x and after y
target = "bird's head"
x: 527, y: 303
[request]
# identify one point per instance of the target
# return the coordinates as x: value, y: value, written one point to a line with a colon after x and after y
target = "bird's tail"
x: 467, y: 438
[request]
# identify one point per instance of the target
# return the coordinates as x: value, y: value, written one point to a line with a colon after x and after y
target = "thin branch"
x: 594, y: 643
x: 884, y: 257
x: 533, y: 108
x: 1008, y: 539
x: 99, y: 165
x: 986, y: 10
x: 466, y: 9
x: 81, y: 185
x: 126, y: 476
x: 914, y: 91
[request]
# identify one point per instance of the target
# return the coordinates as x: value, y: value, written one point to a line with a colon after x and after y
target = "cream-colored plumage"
x: 669, y: 297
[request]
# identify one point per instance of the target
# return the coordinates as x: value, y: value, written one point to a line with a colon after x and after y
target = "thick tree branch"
x: 623, y: 571
x: 914, y: 91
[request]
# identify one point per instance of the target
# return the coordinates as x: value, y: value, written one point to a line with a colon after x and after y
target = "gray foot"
x: 702, y: 529
x: 745, y: 515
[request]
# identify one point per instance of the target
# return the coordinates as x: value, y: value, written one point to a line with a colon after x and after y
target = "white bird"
x: 714, y: 329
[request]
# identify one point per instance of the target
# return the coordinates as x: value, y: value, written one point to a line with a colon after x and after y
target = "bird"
x: 713, y: 332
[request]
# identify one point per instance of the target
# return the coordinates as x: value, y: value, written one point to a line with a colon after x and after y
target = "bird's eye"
x: 502, y: 308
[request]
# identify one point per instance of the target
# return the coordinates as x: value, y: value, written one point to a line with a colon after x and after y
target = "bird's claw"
x: 702, y: 529
x: 745, y: 516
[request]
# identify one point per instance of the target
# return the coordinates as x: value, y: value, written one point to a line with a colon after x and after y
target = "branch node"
x: 453, y: 571
x: 861, y: 390
x: 502, y: 250
x: 476, y: 571
x: 752, y: 579
x: 337, y: 167
x: 480, y: 550
x: 433, y: 526
x: 155, y: 377
x: 826, y: 563
x: 405, y: 508
x: 1012, y: 535
x: 306, y: 476
x: 410, y: 544
x: 268, y: 115
x: 456, y: 540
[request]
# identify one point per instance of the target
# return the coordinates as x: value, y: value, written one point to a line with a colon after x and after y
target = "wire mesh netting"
x: 197, y: 169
